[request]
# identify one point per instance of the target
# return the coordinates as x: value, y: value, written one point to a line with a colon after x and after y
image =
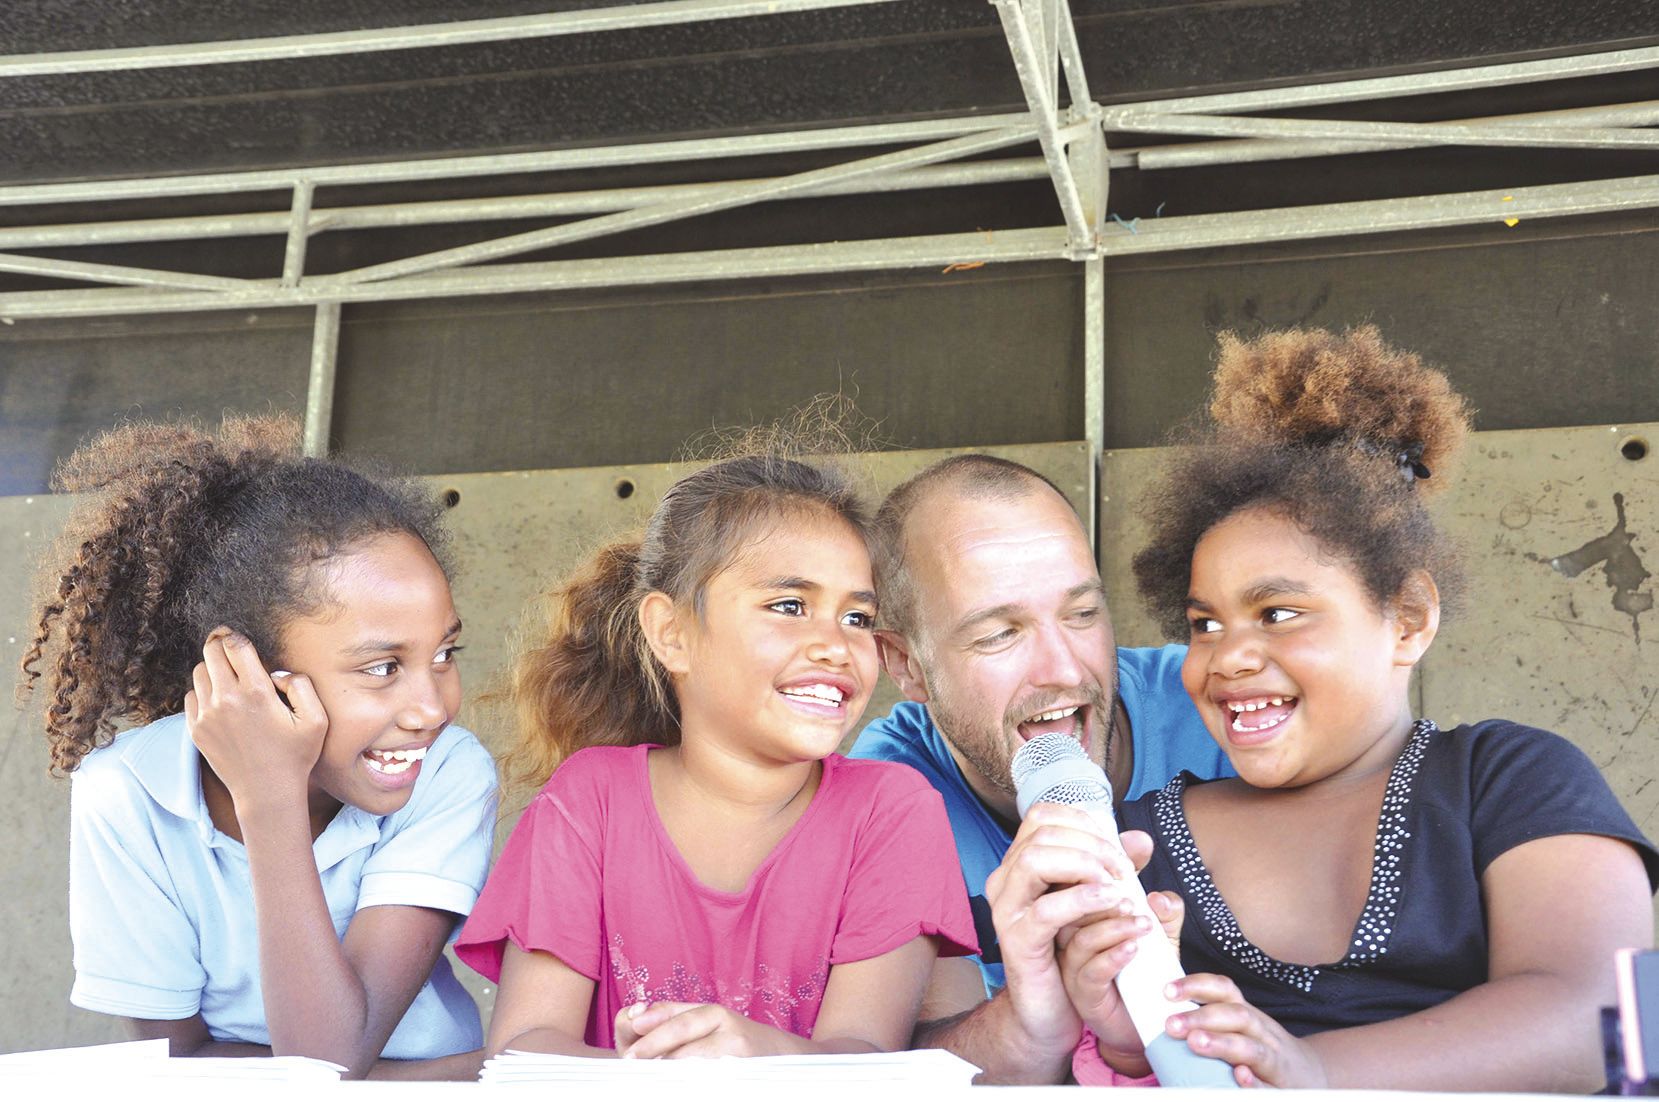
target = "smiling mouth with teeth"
x: 1240, y: 709
x: 392, y: 762
x: 818, y: 694
x: 1071, y: 716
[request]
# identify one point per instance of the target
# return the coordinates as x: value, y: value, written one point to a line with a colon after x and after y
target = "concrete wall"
x: 515, y: 532
x: 1539, y: 644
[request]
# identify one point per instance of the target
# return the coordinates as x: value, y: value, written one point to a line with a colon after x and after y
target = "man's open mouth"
x: 1069, y: 719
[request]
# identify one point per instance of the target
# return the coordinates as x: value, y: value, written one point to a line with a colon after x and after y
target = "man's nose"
x: 1054, y: 659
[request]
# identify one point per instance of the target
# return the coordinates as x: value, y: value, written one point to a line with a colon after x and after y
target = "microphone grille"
x: 1043, y: 751
x: 1075, y: 794
x: 1053, y: 768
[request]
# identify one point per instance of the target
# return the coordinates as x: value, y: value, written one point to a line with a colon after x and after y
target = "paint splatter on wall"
x: 1616, y: 554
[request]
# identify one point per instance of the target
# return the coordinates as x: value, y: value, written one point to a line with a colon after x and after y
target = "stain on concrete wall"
x: 1620, y: 565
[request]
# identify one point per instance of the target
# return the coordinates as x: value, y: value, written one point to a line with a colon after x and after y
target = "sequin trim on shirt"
x: 769, y: 997
x: 1382, y: 903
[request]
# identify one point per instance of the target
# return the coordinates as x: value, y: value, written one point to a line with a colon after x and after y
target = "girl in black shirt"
x: 1373, y: 902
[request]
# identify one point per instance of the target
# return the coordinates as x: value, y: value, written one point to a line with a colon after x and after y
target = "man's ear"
x: 665, y: 634
x: 1416, y: 611
x: 898, y: 658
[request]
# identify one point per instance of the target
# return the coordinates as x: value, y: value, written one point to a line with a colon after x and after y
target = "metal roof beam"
x: 1239, y: 151
x: 424, y: 36
x: 1159, y: 235
x: 1432, y: 133
x: 557, y: 160
x: 1408, y: 84
x: 776, y: 261
x: 604, y: 201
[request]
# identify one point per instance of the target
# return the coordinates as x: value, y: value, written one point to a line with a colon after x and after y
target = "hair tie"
x: 1410, y: 462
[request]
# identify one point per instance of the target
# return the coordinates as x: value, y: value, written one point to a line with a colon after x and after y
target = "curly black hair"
x: 183, y: 530
x: 1340, y: 434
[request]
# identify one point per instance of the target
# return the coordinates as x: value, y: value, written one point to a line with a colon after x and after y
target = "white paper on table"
x: 120, y: 1054
x: 148, y: 1060
x: 933, y: 1067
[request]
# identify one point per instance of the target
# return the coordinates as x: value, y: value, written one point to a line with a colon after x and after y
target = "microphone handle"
x: 1141, y: 986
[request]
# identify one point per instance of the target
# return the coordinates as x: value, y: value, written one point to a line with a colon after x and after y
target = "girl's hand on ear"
x: 1262, y: 1052
x: 674, y: 1031
x: 261, y: 748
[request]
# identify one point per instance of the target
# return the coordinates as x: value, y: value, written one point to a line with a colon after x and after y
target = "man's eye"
x: 789, y: 606
x: 859, y: 619
x: 1204, y: 625
x: 1087, y: 615
x: 999, y: 639
x: 1279, y: 615
x: 381, y: 669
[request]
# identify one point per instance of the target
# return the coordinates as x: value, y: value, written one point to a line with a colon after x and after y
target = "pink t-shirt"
x: 591, y: 876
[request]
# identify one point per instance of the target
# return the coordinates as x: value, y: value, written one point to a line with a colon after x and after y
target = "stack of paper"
x: 122, y: 1057
x: 928, y: 1067
x: 148, y: 1061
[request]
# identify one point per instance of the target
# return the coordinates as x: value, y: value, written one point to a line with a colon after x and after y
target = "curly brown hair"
x: 182, y: 530
x: 1340, y: 434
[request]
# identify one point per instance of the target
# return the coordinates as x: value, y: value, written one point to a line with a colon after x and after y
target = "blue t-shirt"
x: 161, y: 903
x: 1168, y: 735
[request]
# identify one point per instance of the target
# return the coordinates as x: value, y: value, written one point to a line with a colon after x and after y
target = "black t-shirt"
x: 1455, y: 801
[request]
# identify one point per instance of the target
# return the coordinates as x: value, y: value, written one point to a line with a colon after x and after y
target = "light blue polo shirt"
x: 1168, y: 737
x: 161, y: 904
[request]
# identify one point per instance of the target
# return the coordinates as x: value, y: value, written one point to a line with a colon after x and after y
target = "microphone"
x: 1053, y: 768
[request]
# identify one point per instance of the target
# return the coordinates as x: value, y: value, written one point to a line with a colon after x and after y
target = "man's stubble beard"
x: 991, y: 750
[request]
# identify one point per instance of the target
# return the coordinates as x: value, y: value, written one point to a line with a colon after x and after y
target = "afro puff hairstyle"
x: 1340, y: 434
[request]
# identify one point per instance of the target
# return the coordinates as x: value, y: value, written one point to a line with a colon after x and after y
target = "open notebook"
x: 148, y: 1061
x: 929, y: 1067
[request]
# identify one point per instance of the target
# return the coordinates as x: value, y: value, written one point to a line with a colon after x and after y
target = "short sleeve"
x: 906, y: 880
x: 544, y: 892
x: 436, y: 849
x: 136, y: 950
x: 1530, y: 784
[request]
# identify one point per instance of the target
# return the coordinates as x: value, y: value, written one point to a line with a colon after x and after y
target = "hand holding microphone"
x: 1053, y: 768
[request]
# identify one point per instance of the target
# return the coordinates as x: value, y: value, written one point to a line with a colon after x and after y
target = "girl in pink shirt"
x: 703, y: 875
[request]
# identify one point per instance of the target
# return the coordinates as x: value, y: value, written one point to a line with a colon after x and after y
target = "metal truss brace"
x: 1040, y: 34
x: 672, y: 210
x: 299, y: 234
x: 565, y: 204
x: 114, y: 273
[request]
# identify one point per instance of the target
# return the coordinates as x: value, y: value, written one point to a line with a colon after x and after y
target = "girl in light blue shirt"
x: 272, y: 859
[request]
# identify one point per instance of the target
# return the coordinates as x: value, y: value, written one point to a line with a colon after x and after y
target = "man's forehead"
x: 957, y: 542
x: 967, y: 521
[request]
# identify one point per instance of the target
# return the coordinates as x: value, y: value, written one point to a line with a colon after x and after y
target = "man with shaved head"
x: 994, y: 627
